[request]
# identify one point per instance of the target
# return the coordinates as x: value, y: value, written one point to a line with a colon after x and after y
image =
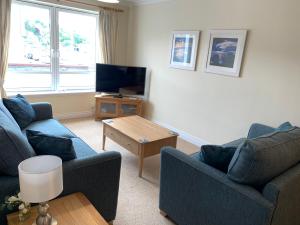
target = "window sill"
x: 49, y: 93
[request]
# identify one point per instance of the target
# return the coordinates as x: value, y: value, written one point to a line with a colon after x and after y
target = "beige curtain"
x: 108, y: 33
x: 5, y: 11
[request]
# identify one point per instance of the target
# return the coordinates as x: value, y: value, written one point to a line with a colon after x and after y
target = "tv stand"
x: 118, y: 96
x: 112, y: 106
x: 111, y: 95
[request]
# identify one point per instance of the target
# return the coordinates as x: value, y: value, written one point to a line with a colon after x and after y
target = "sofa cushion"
x: 44, y: 144
x: 20, y: 109
x: 259, y: 160
x: 235, y: 143
x: 82, y: 149
x: 50, y: 127
x: 5, y: 111
x: 257, y: 129
x: 216, y: 156
x: 14, y: 147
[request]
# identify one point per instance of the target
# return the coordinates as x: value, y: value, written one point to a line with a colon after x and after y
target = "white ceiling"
x: 144, y: 2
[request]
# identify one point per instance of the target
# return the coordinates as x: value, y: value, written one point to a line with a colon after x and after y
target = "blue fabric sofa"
x: 96, y: 175
x: 194, y: 193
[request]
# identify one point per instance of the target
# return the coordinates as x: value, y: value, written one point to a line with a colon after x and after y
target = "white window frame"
x: 54, y: 10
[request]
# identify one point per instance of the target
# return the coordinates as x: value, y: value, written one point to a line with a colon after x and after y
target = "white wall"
x: 68, y: 105
x: 212, y: 107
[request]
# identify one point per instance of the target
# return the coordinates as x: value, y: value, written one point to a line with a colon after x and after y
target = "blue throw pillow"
x: 20, y: 109
x: 218, y: 157
x: 14, y: 147
x: 44, y: 144
x: 256, y: 130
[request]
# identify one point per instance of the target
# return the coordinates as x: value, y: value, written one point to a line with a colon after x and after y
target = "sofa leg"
x: 163, y: 213
x: 111, y: 222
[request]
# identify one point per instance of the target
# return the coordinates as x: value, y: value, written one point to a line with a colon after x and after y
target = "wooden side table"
x: 74, y: 209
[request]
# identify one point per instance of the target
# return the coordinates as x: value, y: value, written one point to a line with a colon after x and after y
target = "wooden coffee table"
x: 74, y: 209
x: 139, y: 136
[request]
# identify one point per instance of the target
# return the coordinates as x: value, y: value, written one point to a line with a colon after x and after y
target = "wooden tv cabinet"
x: 112, y: 107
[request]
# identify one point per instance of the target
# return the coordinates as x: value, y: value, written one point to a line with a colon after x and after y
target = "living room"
x: 196, y: 97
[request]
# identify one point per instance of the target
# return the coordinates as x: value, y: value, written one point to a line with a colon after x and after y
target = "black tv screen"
x: 125, y: 80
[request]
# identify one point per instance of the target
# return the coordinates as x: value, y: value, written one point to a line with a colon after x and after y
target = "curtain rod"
x: 88, y: 4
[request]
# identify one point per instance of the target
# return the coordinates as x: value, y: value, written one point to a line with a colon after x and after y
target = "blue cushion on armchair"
x: 218, y: 157
x: 257, y: 129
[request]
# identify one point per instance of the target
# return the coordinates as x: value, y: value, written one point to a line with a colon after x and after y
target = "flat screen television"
x: 122, y: 80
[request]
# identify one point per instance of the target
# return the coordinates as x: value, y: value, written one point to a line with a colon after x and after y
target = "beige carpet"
x: 138, y: 197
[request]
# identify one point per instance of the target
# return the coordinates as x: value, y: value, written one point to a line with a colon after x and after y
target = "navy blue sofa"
x: 194, y: 193
x: 96, y: 175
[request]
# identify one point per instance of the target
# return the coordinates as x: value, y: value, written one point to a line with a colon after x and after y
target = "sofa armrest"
x: 283, y: 191
x: 43, y: 111
x: 97, y: 177
x: 192, y: 192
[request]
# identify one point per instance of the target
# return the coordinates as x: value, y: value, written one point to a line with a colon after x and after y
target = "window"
x: 51, y: 49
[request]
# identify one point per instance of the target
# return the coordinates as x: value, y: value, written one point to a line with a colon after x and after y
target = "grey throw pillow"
x: 259, y: 160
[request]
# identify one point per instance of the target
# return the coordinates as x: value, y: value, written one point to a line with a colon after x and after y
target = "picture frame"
x: 225, y: 52
x: 184, y: 49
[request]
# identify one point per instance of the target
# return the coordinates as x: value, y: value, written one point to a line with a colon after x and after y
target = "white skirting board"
x: 184, y: 135
x: 74, y: 115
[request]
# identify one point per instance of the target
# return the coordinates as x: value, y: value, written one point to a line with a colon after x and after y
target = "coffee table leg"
x: 103, y: 142
x: 141, y: 161
x: 103, y: 138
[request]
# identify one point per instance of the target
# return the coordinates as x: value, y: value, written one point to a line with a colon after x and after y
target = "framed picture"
x: 225, y: 52
x: 184, y: 49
